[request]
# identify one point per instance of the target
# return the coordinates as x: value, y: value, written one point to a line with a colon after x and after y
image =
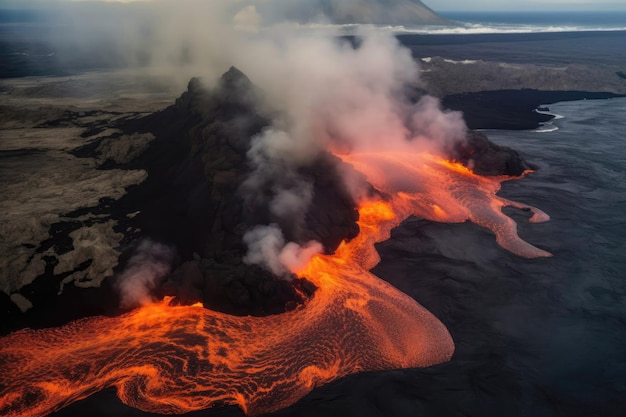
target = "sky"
x: 513, y: 5
x: 525, y: 5
x: 452, y: 5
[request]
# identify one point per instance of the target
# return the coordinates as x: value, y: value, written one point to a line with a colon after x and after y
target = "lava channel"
x: 175, y: 359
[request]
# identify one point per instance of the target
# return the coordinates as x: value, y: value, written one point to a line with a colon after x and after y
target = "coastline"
x: 513, y: 109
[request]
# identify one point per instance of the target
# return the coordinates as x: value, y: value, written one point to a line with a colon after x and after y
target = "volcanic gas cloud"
x: 326, y: 96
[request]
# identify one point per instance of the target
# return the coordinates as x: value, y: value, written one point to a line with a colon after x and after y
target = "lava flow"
x: 175, y: 359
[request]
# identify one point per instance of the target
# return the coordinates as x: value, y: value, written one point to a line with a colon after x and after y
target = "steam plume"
x: 146, y: 268
x: 267, y: 248
x: 322, y: 92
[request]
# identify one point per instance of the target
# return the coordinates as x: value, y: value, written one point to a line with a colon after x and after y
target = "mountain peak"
x: 386, y: 12
x: 235, y: 79
x: 383, y: 12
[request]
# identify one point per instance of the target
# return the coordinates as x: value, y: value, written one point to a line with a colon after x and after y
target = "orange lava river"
x: 175, y: 359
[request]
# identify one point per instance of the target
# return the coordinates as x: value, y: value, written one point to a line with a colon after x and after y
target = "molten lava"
x: 175, y: 359
x: 433, y: 188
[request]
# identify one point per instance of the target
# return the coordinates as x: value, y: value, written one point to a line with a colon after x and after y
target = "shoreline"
x: 513, y: 109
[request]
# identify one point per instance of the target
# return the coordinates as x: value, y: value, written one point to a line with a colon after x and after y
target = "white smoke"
x: 248, y: 19
x: 325, y: 90
x: 267, y: 248
x: 295, y: 257
x: 275, y: 182
x: 148, y: 266
x: 331, y: 95
x: 264, y: 246
x: 322, y: 92
x: 430, y: 124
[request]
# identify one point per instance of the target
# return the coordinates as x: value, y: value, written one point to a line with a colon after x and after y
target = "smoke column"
x: 150, y: 264
x: 320, y: 91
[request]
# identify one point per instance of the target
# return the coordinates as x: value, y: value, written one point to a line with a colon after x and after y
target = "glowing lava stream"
x: 175, y: 359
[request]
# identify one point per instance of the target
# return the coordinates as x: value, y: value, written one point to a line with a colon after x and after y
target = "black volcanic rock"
x: 486, y: 158
x: 512, y: 109
x: 191, y: 200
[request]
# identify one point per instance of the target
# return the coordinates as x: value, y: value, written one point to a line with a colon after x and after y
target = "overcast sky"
x: 447, y: 5
x: 525, y: 5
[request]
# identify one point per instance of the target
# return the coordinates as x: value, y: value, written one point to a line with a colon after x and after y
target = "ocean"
x: 575, y: 336
x: 555, y: 328
x: 541, y: 21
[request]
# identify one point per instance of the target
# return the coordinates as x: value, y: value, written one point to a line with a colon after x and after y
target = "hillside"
x: 386, y: 12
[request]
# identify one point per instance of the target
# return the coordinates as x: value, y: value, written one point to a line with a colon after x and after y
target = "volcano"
x: 229, y: 331
x: 199, y: 156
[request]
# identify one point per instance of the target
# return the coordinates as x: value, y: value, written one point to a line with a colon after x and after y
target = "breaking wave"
x: 481, y: 25
x: 484, y: 29
x: 548, y: 126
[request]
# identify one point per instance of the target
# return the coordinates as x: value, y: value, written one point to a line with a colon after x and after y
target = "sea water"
x: 522, y: 22
x: 539, y: 337
x: 577, y: 341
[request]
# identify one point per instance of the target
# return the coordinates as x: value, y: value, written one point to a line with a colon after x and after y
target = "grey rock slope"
x: 383, y: 12
x: 396, y: 12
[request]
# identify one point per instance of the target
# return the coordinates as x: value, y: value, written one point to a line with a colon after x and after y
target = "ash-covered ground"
x: 44, y: 186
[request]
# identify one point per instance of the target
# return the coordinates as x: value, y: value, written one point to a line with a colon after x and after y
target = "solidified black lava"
x: 486, y: 158
x: 512, y: 109
x: 192, y: 200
